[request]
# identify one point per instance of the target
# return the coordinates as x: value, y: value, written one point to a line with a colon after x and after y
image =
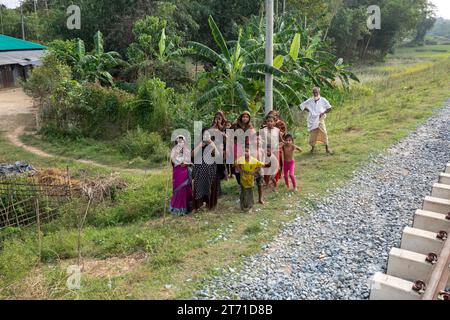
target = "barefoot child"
x: 269, y: 161
x: 229, y: 150
x: 289, y: 163
x: 259, y: 173
x: 272, y: 139
x: 248, y: 166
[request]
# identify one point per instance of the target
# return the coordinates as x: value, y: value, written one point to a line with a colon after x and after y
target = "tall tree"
x: 425, y: 24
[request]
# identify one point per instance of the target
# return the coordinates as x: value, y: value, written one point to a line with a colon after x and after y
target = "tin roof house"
x: 17, y: 57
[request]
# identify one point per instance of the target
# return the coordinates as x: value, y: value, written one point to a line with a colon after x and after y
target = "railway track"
x: 420, y: 268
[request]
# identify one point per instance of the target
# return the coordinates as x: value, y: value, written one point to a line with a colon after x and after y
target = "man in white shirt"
x: 317, y: 108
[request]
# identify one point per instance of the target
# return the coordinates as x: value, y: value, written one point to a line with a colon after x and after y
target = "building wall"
x: 6, y: 76
x: 10, y: 75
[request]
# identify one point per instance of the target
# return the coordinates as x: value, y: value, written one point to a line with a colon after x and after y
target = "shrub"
x: 143, y: 201
x: 65, y: 51
x: 17, y: 258
x: 126, y: 86
x: 44, y: 81
x: 147, y: 145
x: 92, y: 110
x: 52, y: 132
x: 151, y: 109
x: 183, y: 113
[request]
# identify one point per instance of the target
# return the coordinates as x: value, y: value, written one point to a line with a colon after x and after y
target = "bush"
x: 184, y: 114
x: 174, y: 73
x: 126, y: 86
x: 52, y: 132
x: 92, y: 110
x: 147, y: 145
x: 140, y: 203
x: 17, y: 258
x: 151, y: 109
x: 44, y: 81
x: 65, y: 51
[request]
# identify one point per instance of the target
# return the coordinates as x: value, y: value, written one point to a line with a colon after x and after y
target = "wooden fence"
x: 26, y: 200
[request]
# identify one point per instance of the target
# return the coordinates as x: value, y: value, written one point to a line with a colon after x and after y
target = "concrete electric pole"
x: 269, y: 56
x: 23, y: 22
x: 1, y: 17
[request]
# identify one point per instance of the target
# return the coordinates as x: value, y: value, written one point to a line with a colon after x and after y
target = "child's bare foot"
x: 261, y: 201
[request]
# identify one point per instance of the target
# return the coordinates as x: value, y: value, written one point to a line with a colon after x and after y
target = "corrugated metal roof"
x: 11, y: 44
x: 24, y: 58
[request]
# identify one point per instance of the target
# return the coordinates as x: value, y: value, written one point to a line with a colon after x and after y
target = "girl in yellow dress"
x: 248, y: 167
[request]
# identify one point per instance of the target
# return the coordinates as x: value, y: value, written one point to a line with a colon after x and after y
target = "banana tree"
x: 301, y: 54
x: 165, y: 50
x: 95, y: 66
x: 234, y: 79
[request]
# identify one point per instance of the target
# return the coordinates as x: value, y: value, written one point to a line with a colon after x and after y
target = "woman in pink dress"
x: 181, y: 202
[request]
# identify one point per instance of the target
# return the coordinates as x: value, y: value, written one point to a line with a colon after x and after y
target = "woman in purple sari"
x: 181, y: 202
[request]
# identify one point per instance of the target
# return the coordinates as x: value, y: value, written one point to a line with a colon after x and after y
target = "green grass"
x: 103, y: 152
x: 405, y: 61
x: 182, y: 252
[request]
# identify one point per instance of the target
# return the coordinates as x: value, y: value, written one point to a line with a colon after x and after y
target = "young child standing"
x: 228, y: 151
x: 259, y: 174
x: 271, y: 139
x: 248, y: 167
x: 289, y: 149
x: 269, y: 160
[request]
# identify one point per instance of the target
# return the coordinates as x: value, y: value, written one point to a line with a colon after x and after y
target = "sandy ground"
x: 17, y: 114
x: 16, y: 108
x: 15, y: 101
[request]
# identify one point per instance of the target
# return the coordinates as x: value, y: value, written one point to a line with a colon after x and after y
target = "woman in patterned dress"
x: 205, y: 175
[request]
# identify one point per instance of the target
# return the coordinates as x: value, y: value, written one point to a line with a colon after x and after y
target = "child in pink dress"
x: 289, y: 149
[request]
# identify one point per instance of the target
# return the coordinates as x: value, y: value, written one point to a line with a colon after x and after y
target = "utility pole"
x: 284, y: 6
x: 46, y: 7
x: 269, y: 56
x: 1, y: 17
x: 36, y: 19
x: 23, y: 22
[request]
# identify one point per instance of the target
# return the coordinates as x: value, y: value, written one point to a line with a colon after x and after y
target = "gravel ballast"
x: 333, y: 250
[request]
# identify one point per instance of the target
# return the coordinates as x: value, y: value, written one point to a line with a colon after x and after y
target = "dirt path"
x: 14, y: 137
x: 17, y: 115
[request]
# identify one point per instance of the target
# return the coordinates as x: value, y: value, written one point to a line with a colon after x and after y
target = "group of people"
x: 259, y: 158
